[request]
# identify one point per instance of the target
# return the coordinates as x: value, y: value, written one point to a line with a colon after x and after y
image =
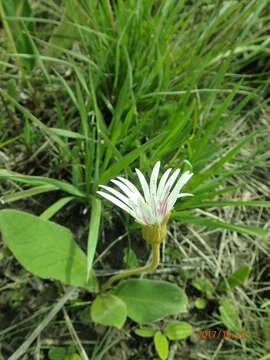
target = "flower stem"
x: 148, y: 267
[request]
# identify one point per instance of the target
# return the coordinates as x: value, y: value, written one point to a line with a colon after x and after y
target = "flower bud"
x: 156, y: 233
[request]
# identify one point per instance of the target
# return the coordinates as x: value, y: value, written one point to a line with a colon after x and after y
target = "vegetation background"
x: 92, y: 89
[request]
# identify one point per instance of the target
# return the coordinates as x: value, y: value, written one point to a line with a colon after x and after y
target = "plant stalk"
x: 148, y: 267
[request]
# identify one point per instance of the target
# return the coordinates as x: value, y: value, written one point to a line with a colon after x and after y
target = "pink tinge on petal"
x: 160, y: 207
x: 145, y: 220
x: 165, y: 209
x: 165, y: 202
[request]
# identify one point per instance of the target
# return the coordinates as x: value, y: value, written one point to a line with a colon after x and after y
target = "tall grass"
x: 147, y: 81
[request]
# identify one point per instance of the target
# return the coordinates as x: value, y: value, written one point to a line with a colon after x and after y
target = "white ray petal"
x: 180, y: 183
x: 153, y: 179
x: 131, y: 186
x: 120, y: 196
x: 163, y: 182
x: 156, y: 200
x: 144, y: 185
x: 144, y: 216
x: 117, y: 202
x: 138, y: 214
x: 126, y: 191
x: 183, y: 195
x: 146, y: 210
x: 172, y: 179
x: 154, y: 205
x: 169, y: 184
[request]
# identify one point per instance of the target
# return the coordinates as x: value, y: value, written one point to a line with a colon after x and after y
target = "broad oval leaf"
x: 149, y: 300
x: 145, y: 332
x: 178, y: 330
x: 229, y: 316
x: 45, y: 248
x: 161, y: 345
x: 109, y: 310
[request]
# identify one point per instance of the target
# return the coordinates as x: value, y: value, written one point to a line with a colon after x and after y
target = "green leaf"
x: 200, y: 303
x: 203, y: 285
x: 93, y: 233
x: 229, y: 316
x: 45, y: 249
x: 109, y: 310
x: 41, y: 180
x: 217, y: 224
x: 149, y: 300
x: 223, y: 203
x: 173, y: 253
x: 66, y: 32
x: 130, y: 258
x: 18, y: 39
x: 23, y: 194
x: 118, y: 166
x: 68, y: 89
x: 12, y: 88
x: 73, y: 357
x: 266, y: 322
x: 39, y: 124
x: 161, y: 345
x: 57, y: 353
x: 68, y: 134
x: 213, y: 123
x: 236, y: 278
x: 214, y: 169
x: 145, y: 332
x: 178, y: 330
x: 54, y: 208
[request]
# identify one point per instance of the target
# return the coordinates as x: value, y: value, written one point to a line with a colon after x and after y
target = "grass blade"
x: 93, y: 233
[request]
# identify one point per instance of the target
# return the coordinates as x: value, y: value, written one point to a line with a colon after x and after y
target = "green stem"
x: 148, y: 267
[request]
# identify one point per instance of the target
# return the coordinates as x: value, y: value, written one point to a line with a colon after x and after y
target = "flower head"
x: 158, y: 199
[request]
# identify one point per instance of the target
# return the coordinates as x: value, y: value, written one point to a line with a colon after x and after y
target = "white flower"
x: 158, y: 199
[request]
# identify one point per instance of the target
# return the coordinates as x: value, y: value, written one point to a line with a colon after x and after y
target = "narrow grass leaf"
x: 224, y: 203
x: 41, y: 180
x: 93, y: 233
x: 54, y: 208
x: 117, y: 167
x: 24, y: 194
x: 217, y: 224
x: 236, y: 278
x: 68, y: 134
